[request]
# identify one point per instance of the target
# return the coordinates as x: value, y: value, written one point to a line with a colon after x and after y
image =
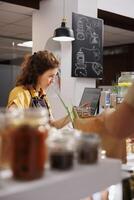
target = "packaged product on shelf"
x: 105, y: 98
x: 124, y: 81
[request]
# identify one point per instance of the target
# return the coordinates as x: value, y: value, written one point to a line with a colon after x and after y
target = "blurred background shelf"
x: 75, y: 184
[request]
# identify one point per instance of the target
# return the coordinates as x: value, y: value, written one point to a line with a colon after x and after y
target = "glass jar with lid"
x: 88, y: 148
x: 3, y: 143
x: 5, y: 138
x: 61, y: 151
x: 29, y: 151
x: 124, y: 81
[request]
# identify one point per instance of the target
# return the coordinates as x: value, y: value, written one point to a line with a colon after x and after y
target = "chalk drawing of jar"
x: 80, y: 31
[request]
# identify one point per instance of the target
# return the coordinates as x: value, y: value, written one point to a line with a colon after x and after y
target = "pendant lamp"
x: 63, y: 33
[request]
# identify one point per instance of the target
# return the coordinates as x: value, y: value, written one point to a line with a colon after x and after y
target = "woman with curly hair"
x: 38, y: 72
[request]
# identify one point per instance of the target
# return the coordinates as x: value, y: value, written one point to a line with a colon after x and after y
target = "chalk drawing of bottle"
x: 80, y: 30
x: 80, y: 69
x: 80, y: 57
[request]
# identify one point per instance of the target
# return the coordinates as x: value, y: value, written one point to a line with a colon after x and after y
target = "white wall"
x: 122, y: 7
x: 87, y: 7
x: 44, y: 22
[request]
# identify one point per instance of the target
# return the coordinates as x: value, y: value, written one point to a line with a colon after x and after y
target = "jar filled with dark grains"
x: 88, y: 148
x: 61, y: 152
x: 29, y: 150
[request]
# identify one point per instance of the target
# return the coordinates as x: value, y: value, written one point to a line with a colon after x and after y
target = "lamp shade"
x: 63, y: 33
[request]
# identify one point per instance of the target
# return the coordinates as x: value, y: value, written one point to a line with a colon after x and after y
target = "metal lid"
x: 92, y: 138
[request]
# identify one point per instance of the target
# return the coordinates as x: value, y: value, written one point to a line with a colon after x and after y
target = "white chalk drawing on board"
x: 96, y: 67
x: 80, y: 30
x: 80, y: 69
x: 88, y: 32
x: 92, y: 35
x: 93, y: 52
x: 87, y: 48
x: 81, y: 64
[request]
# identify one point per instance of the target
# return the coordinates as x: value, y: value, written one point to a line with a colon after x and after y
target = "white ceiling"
x: 16, y: 26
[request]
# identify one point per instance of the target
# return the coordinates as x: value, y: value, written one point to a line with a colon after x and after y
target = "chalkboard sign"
x: 91, y: 96
x: 87, y: 50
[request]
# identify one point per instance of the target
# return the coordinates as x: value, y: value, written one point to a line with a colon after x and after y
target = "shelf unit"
x: 74, y: 184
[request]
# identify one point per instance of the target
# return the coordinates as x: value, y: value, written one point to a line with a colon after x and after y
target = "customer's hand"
x: 97, y: 124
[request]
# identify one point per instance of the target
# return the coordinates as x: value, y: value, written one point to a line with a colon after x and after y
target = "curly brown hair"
x: 35, y: 65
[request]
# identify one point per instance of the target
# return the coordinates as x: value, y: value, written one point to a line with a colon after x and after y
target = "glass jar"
x: 88, y: 148
x: 124, y: 81
x: 29, y: 151
x: 5, y: 138
x: 3, y: 143
x: 61, y: 153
